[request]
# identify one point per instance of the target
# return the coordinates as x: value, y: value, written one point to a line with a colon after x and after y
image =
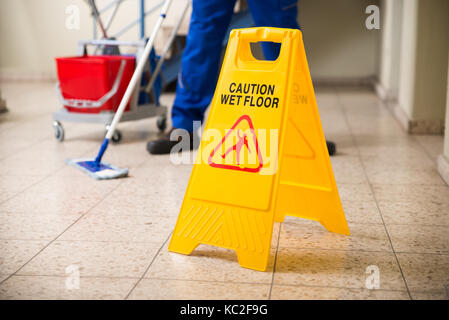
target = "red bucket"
x: 91, y: 78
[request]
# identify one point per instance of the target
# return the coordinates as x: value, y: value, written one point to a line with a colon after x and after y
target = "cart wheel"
x: 161, y: 123
x: 58, y: 130
x: 117, y: 136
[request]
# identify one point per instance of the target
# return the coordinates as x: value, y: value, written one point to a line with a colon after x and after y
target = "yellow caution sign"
x: 262, y: 156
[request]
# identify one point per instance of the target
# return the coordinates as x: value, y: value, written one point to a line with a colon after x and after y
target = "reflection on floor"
x: 56, y: 223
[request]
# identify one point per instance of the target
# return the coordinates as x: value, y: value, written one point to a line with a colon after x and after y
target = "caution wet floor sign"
x: 262, y: 156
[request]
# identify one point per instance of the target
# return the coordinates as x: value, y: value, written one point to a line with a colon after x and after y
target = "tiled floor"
x: 56, y: 223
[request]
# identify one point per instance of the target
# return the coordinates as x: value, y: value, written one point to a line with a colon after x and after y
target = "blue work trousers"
x: 201, y: 57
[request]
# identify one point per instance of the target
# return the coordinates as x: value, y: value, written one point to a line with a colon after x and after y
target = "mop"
x: 95, y: 168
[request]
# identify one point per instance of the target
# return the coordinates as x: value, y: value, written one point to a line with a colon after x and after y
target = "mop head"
x: 99, y: 171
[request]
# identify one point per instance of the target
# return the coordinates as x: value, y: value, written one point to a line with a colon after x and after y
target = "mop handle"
x: 137, y: 73
x: 96, y: 14
x: 156, y: 70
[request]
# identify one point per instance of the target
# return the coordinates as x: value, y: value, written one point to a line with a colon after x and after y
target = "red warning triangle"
x: 239, y: 149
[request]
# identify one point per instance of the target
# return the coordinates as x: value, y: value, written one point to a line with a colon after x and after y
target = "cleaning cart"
x: 91, y: 86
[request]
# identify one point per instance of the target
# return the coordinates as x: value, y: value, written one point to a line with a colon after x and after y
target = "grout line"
x: 424, y: 149
x: 148, y: 268
x: 45, y: 177
x: 434, y: 160
x: 87, y: 241
x: 336, y: 287
x: 210, y: 281
x: 81, y: 277
x: 411, y: 136
x: 335, y: 249
x: 56, y: 238
x: 225, y: 282
x: 372, y: 192
x: 278, y: 284
x: 27, y: 188
x: 21, y: 150
x: 275, y: 260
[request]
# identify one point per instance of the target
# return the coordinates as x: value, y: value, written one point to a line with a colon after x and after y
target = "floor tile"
x: 398, y: 149
x: 164, y: 170
x: 114, y: 228
x: 56, y: 202
x: 420, y: 213
x: 425, y: 272
x: 93, y: 259
x: 34, y: 226
x: 168, y: 185
x: 154, y: 289
x: 436, y: 295
x: 12, y: 145
x: 333, y: 121
x: 412, y: 193
x: 38, y: 166
x: 300, y: 233
x: 355, y: 192
x: 433, y: 144
x: 3, y: 277
x: 206, y: 263
x: 334, y: 268
x: 165, y: 202
x: 42, y: 159
x: 15, y: 253
x: 348, y: 170
x: 386, y: 161
x: 362, y: 212
x: 50, y: 288
x: 419, y: 239
x: 82, y: 186
x: 399, y: 175
x: 4, y: 196
x: 284, y: 292
x: 17, y: 183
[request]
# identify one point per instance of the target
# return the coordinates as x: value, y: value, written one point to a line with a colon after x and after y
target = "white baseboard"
x: 443, y: 167
x: 419, y: 126
x: 385, y: 94
x: 345, y: 82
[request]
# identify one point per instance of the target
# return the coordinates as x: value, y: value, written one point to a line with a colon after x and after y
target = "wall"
x: 446, y: 133
x: 338, y: 45
x: 32, y: 33
x: 423, y: 68
x: 389, y: 70
x: 443, y: 159
x: 408, y: 50
x: 431, y: 59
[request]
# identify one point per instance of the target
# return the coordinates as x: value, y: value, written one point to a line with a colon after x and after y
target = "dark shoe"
x: 331, y: 147
x: 164, y: 145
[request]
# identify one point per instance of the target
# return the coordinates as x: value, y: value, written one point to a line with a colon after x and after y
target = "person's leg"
x: 280, y: 14
x: 199, y: 69
x: 200, y: 61
x: 274, y: 13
